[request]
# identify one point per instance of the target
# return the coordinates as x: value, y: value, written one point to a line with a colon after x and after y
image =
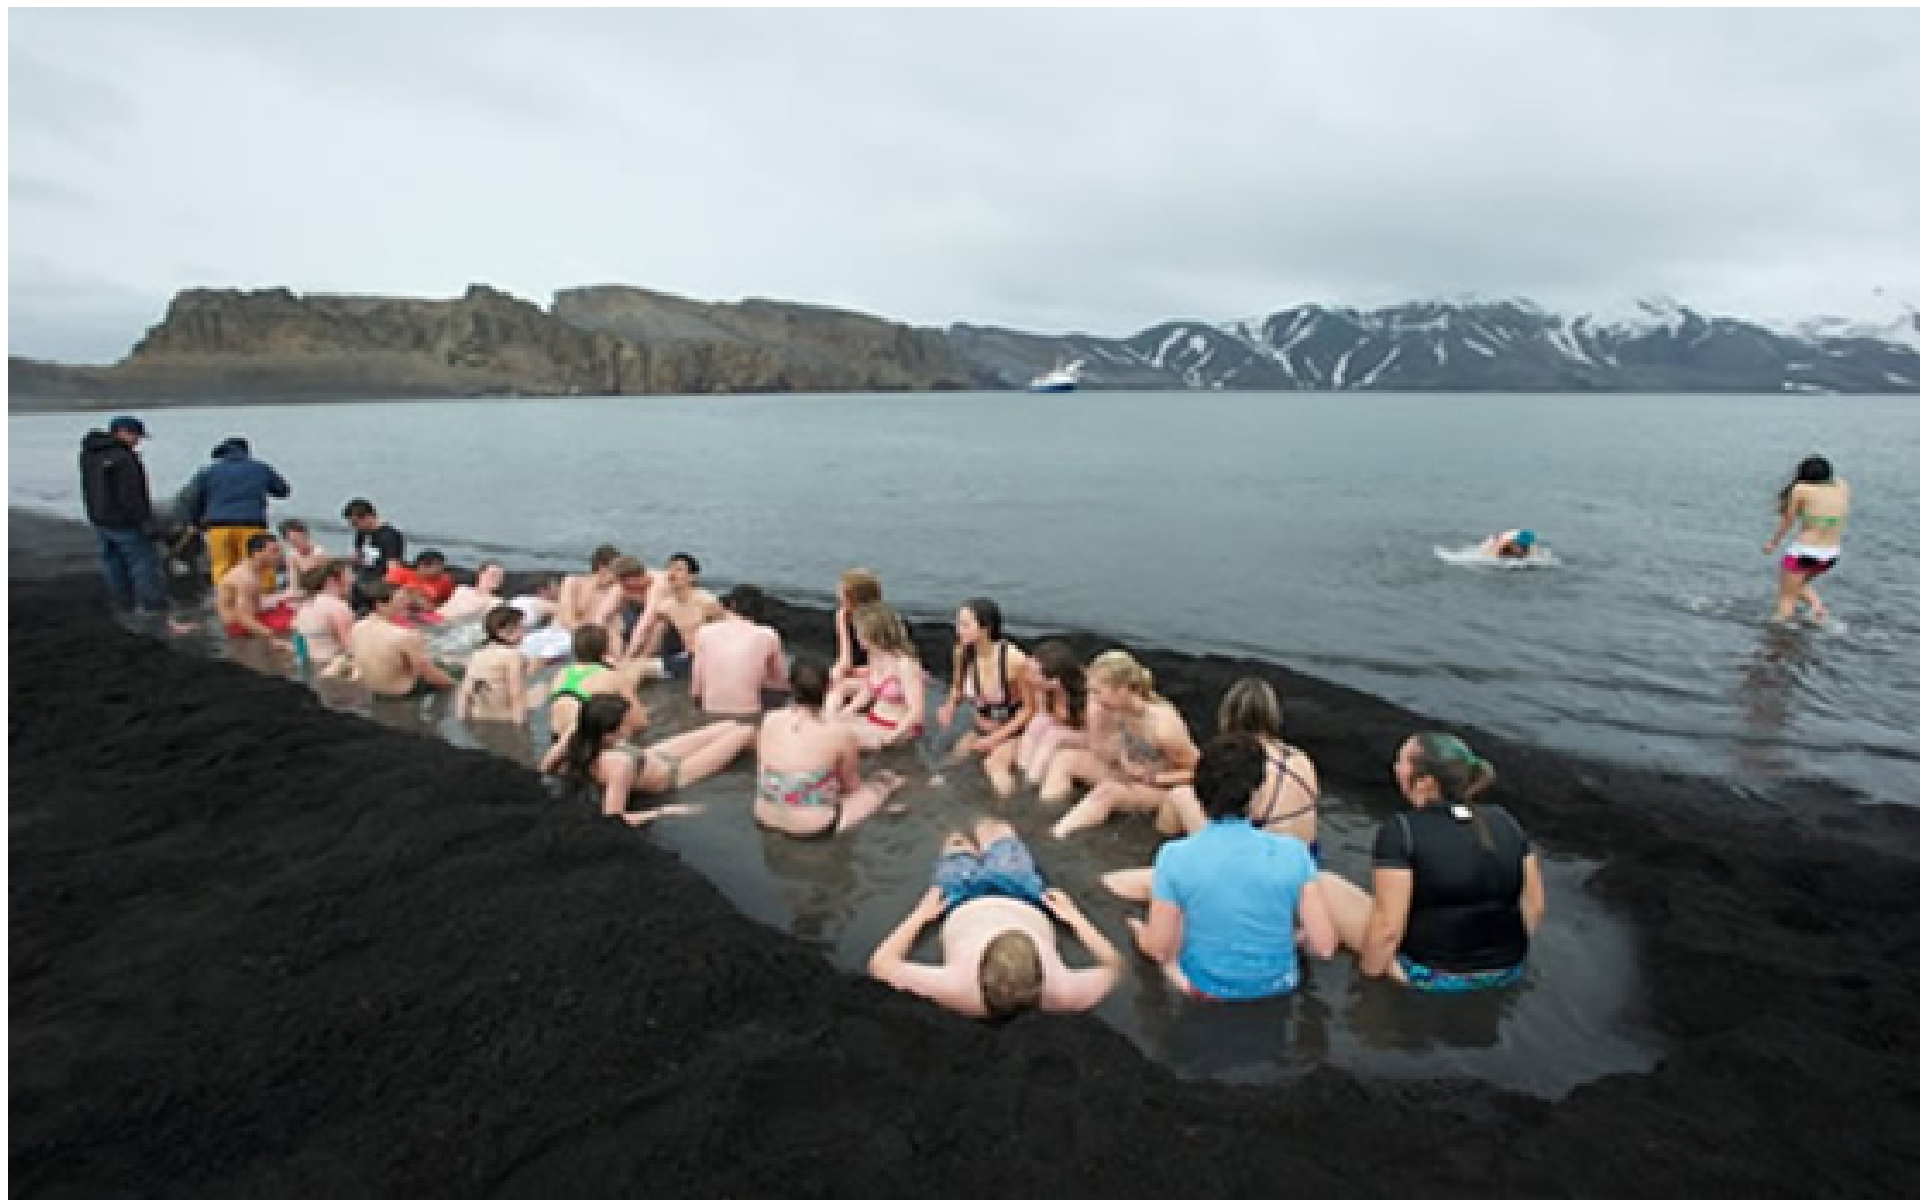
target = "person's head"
x: 1060, y: 665
x: 1250, y: 707
x: 1230, y: 772
x: 1010, y: 975
x: 683, y: 570
x: 263, y: 548
x: 590, y: 644
x: 880, y: 629
x: 1119, y: 682
x: 490, y: 578
x: 632, y: 575
x: 1812, y: 469
x: 603, y: 720
x: 384, y: 596
x: 504, y: 625
x: 977, y: 623
x: 858, y: 587
x: 747, y: 601
x: 128, y: 430
x: 332, y: 576
x: 360, y: 513
x: 1525, y: 539
x: 233, y: 447
x: 430, y: 566
x: 293, y: 531
x: 602, y: 558
x: 1439, y: 768
x: 808, y: 678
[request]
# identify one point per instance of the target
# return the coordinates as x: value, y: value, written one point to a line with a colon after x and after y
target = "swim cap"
x: 1524, y: 538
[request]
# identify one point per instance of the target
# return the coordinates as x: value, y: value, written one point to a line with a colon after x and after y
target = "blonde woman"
x: 1141, y: 753
x: 1288, y: 802
x: 886, y: 703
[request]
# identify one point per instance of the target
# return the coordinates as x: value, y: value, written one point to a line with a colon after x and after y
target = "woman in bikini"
x: 809, y: 783
x: 596, y: 753
x: 1288, y: 802
x: 1058, y: 685
x: 887, y: 704
x: 1140, y: 753
x: 990, y: 672
x: 494, y: 689
x: 1818, y: 504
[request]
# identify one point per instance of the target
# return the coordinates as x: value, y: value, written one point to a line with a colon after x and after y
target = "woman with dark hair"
x: 990, y: 673
x: 1058, y: 685
x: 595, y: 753
x: 1457, y: 892
x: 1228, y: 900
x: 495, y: 685
x: 809, y: 783
x: 1818, y: 504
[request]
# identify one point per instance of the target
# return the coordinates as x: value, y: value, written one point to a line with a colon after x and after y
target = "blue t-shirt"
x: 1237, y: 888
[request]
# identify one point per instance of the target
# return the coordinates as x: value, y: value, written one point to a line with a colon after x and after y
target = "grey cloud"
x: 1053, y: 169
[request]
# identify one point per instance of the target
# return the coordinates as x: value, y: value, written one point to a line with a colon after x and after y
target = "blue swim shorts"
x: 1432, y: 979
x: 1004, y: 868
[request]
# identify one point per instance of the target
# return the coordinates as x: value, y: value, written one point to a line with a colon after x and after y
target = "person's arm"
x: 341, y: 619
x: 915, y: 681
x: 617, y: 772
x: 195, y: 507
x: 843, y: 644
x: 1159, y: 935
x: 1316, y: 921
x: 699, y: 677
x: 1392, y: 897
x: 1178, y: 753
x: 463, y: 698
x: 1533, y: 894
x: 889, y: 962
x: 415, y: 650
x: 555, y: 755
x: 1789, y: 514
x: 277, y: 486
x: 1082, y: 989
x: 517, y: 687
x: 952, y: 703
x: 641, y: 643
x: 775, y: 679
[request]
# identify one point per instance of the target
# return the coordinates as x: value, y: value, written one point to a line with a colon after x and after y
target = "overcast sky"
x: 1058, y: 170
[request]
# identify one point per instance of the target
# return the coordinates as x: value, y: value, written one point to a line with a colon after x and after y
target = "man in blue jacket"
x: 228, y: 500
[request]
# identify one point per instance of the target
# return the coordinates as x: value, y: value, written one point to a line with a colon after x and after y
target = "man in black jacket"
x: 114, y: 483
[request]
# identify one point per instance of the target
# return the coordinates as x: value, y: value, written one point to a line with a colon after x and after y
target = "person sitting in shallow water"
x: 739, y: 664
x: 885, y: 702
x: 589, y: 675
x: 1227, y: 900
x: 389, y: 654
x: 1140, y: 753
x: 479, y: 597
x: 1058, y: 684
x: 997, y: 942
x: 990, y: 674
x: 1514, y: 543
x: 494, y: 687
x: 595, y: 753
x: 809, y: 783
x: 1457, y: 892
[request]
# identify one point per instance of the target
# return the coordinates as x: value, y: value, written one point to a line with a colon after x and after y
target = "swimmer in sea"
x: 1139, y: 754
x: 1818, y: 504
x: 809, y: 783
x: 596, y: 752
x: 989, y: 672
x: 997, y: 942
x: 1514, y: 543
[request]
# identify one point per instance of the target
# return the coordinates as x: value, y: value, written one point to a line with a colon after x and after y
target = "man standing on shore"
x: 228, y: 499
x: 113, y: 481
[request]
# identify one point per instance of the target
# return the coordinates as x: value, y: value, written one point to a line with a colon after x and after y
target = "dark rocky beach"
x: 260, y: 947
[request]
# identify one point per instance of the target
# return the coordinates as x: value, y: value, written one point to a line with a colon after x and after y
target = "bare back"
x: 386, y: 654
x: 1821, y: 511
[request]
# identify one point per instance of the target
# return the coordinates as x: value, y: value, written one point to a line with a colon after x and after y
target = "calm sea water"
x: 1298, y: 528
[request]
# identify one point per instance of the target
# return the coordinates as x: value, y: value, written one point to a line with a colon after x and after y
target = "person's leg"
x: 1069, y: 768
x: 115, y: 569
x: 1134, y: 883
x: 700, y: 753
x: 1006, y: 865
x: 143, y: 562
x: 999, y: 768
x: 1180, y: 813
x: 1103, y: 801
x: 1815, y: 607
x: 1349, y: 906
x: 1030, y: 737
x: 867, y: 799
x: 1791, y: 583
x: 222, y: 552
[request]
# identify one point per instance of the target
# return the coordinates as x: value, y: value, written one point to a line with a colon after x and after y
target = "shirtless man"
x: 243, y: 612
x: 998, y: 941
x: 739, y: 666
x: 298, y: 545
x: 476, y: 598
x: 589, y: 599
x: 677, y: 611
x: 389, y: 653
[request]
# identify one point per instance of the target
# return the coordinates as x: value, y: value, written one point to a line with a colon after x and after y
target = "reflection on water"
x: 1776, y: 673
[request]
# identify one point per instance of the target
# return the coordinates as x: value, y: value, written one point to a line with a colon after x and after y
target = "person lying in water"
x: 809, y: 783
x: 595, y: 755
x: 1514, y: 543
x: 1457, y: 891
x: 592, y: 674
x: 1227, y: 901
x: 389, y: 652
x: 997, y: 942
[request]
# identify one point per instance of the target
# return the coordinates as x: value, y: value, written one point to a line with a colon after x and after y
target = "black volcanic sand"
x: 260, y: 947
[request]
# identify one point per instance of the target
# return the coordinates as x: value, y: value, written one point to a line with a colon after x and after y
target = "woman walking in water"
x: 1817, y: 504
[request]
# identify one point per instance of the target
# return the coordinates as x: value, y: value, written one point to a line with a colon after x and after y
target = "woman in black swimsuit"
x: 990, y: 672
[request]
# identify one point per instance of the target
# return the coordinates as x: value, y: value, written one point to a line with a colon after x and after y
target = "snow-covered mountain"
x: 1512, y: 345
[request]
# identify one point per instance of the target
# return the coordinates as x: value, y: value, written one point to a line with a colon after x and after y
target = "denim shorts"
x: 1004, y: 868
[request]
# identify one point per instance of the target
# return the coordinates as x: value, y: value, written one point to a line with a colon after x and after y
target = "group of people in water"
x: 1450, y: 902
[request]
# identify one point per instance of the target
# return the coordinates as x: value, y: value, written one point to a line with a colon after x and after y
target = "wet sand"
x: 261, y: 947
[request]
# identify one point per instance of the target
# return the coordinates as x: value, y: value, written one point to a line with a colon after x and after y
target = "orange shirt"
x: 436, y: 591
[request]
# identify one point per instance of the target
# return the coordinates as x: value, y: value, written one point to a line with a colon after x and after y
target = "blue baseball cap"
x: 1524, y: 538
x: 124, y: 424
